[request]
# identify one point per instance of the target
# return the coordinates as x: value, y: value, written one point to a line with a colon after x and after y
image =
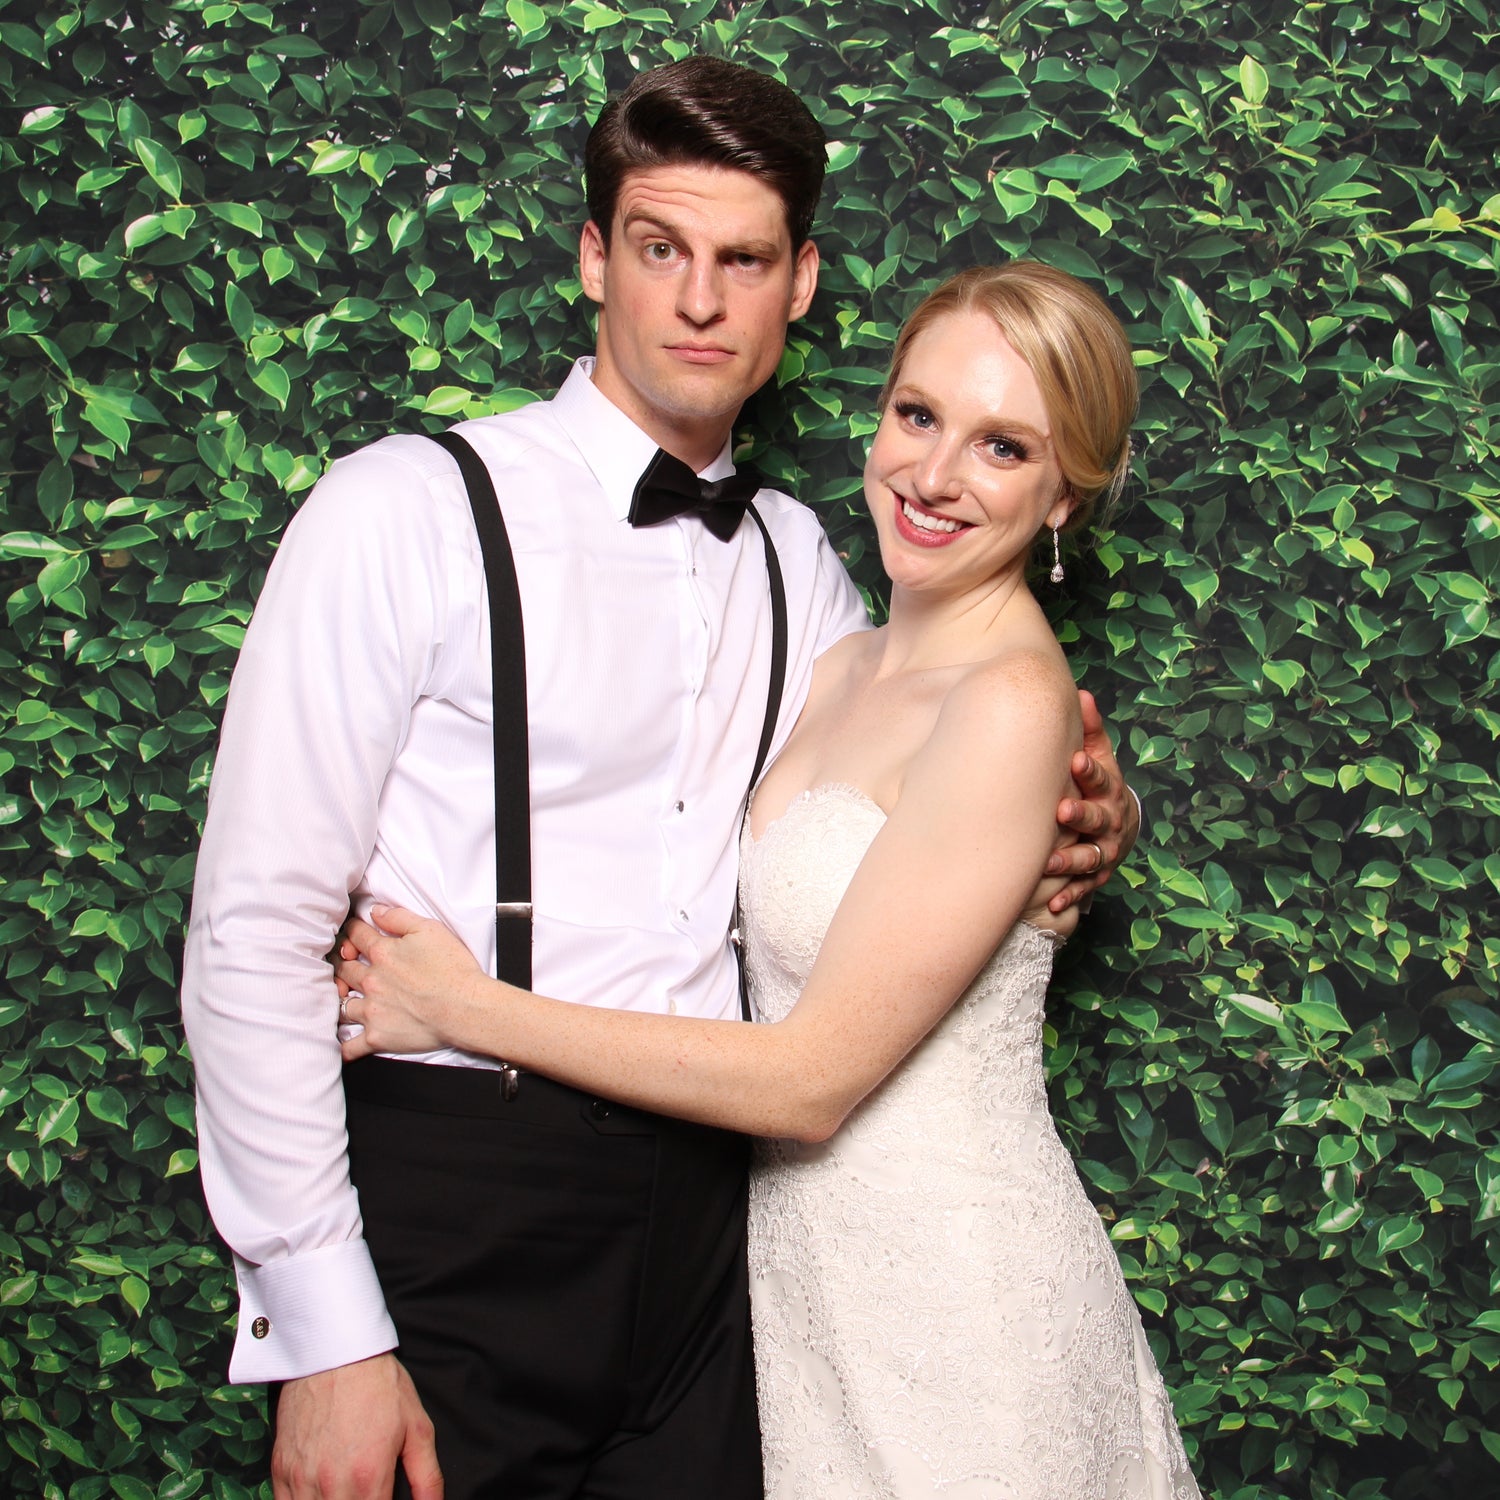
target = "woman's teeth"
x: 926, y: 522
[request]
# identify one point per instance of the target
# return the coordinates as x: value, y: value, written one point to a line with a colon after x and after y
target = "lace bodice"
x: 788, y: 900
x: 938, y: 1311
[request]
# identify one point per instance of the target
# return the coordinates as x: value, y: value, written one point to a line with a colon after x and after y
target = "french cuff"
x: 307, y: 1313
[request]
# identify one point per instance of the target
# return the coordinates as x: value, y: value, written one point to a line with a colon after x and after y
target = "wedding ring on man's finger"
x: 1099, y: 861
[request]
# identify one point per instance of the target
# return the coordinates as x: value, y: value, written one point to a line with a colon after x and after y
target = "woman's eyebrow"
x: 1012, y: 426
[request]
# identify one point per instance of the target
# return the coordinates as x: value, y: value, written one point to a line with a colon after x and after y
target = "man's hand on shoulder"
x: 1104, y: 821
x: 341, y: 1433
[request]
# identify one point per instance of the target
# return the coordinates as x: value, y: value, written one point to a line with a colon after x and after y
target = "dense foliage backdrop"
x: 239, y: 239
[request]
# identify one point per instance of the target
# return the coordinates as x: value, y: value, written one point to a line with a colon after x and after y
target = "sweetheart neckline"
x: 810, y: 794
x: 1054, y: 940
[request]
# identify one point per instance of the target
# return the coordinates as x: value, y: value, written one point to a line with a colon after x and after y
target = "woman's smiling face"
x: 962, y: 475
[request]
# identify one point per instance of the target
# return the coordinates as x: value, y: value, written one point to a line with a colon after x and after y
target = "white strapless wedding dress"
x: 938, y: 1310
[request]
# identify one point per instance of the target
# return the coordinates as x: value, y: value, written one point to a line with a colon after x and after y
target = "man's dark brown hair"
x: 704, y: 111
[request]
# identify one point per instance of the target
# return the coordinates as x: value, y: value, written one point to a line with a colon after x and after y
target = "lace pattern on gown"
x: 938, y: 1310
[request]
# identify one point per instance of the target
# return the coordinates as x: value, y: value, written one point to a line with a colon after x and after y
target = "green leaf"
x: 328, y: 159
x: 164, y: 168
x: 1318, y: 1016
x: 272, y: 379
x: 107, y: 1104
x: 1193, y: 305
x: 240, y: 215
x: 240, y: 310
x: 526, y: 17
x: 1253, y: 80
x: 1256, y: 1008
x: 1478, y: 1020
x: 446, y: 400
x: 405, y: 227
x: 43, y: 120
x: 1462, y: 1075
x: 58, y: 1122
x: 278, y: 264
x: 18, y: 1290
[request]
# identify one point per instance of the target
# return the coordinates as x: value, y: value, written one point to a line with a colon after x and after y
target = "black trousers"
x: 568, y: 1282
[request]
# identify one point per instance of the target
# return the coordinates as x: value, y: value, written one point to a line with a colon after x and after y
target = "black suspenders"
x: 768, y: 729
x: 513, y: 916
x: 512, y: 757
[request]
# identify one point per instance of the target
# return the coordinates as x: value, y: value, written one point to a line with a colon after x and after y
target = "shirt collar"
x: 614, y: 448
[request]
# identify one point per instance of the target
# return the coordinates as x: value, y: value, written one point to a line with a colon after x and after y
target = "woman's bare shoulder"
x: 1029, y: 678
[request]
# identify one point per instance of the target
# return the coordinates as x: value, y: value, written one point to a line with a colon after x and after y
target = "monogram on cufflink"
x: 260, y: 1328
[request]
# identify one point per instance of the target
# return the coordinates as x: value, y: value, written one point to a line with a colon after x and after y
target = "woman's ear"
x: 1063, y: 507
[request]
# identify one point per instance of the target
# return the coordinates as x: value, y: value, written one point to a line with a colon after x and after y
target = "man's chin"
x: 700, y: 403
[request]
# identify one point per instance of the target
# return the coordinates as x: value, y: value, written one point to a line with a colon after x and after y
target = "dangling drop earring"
x: 1057, y: 568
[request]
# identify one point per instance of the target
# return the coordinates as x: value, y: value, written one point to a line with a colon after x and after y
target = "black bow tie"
x: 669, y: 488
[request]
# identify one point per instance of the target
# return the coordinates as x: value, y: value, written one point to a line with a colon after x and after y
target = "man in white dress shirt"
x: 565, y: 1280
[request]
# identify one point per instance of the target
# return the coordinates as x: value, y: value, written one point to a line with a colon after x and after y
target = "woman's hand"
x: 410, y: 982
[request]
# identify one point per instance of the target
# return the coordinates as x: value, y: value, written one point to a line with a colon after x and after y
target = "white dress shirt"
x: 356, y: 760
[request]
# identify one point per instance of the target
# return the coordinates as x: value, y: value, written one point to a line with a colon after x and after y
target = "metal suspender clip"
x: 520, y: 909
x: 510, y: 1082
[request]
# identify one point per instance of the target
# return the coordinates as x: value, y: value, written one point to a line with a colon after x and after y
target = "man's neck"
x: 697, y: 441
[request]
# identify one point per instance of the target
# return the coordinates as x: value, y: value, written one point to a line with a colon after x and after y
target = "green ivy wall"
x: 239, y: 239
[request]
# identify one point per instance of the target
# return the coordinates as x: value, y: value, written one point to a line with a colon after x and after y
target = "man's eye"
x: 659, y: 250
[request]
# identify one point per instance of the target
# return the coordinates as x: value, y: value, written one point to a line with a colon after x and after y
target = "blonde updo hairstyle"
x: 1078, y: 352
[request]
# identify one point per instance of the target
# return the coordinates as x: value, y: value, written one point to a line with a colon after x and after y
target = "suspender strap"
x: 513, y: 918
x: 508, y: 682
x: 768, y: 728
x: 778, y: 650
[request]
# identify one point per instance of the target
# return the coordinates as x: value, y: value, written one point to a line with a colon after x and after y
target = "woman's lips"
x: 926, y: 528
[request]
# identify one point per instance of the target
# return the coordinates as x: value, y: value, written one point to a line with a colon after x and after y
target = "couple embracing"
x: 496, y: 1243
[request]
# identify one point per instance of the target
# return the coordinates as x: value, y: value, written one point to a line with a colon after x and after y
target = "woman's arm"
x: 943, y: 881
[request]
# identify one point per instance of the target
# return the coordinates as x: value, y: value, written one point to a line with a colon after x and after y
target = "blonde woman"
x: 937, y: 1308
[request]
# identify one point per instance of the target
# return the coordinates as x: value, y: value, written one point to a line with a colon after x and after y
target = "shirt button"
x: 679, y: 806
x: 682, y: 916
x: 260, y: 1328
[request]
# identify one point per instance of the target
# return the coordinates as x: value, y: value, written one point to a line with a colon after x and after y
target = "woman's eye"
x: 1004, y: 448
x: 918, y: 416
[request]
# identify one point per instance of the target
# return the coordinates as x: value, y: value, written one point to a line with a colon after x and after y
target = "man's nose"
x: 701, y: 294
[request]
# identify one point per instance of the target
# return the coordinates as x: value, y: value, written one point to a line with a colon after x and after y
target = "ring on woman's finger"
x: 1099, y: 860
x: 343, y: 1008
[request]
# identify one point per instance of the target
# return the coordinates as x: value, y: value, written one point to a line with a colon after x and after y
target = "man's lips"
x: 939, y: 530
x: 700, y: 354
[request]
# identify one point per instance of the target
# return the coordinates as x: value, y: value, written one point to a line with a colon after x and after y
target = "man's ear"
x: 804, y: 280
x: 591, y: 258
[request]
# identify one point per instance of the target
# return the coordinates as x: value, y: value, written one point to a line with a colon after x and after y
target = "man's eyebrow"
x: 640, y: 219
x: 761, y: 249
